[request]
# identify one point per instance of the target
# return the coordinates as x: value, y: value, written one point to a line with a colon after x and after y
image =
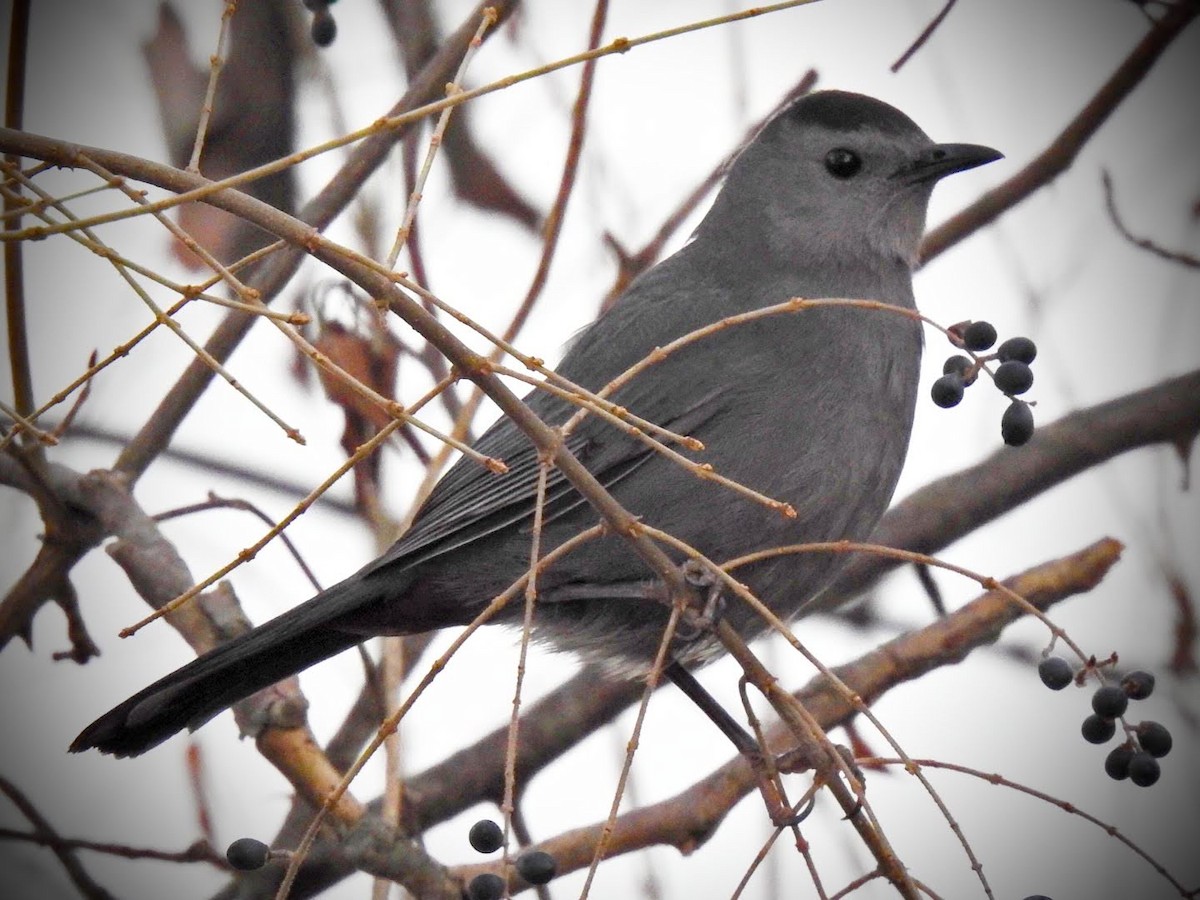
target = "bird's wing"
x: 470, y: 502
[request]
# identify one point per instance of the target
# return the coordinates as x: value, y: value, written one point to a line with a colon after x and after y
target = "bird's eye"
x: 842, y: 163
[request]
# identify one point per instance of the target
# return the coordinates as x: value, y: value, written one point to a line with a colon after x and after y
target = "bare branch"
x: 318, y: 213
x: 941, y: 512
x: 924, y: 36
x: 1110, y: 203
x: 45, y: 833
x: 927, y: 521
x: 689, y: 818
x: 1061, y: 153
x: 14, y: 279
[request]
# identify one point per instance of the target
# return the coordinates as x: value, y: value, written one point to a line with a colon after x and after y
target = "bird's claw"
x: 701, y: 577
x: 795, y: 818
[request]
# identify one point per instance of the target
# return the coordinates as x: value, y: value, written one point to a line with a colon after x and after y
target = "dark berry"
x: 1037, y: 897
x: 536, y: 866
x: 1116, y: 764
x: 1022, y: 349
x: 1154, y: 738
x: 247, y: 854
x: 1014, y: 377
x: 487, y: 886
x: 1098, y: 730
x: 956, y: 365
x: 1138, y: 685
x: 979, y: 336
x: 486, y: 836
x: 324, y: 29
x: 947, y: 391
x: 1056, y: 673
x: 1016, y: 425
x: 1109, y: 701
x: 1144, y: 769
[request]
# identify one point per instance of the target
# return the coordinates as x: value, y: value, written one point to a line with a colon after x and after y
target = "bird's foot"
x: 708, y: 584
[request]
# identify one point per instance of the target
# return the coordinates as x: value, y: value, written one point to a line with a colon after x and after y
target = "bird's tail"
x: 193, y: 694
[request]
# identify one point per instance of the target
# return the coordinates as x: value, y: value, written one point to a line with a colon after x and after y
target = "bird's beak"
x: 945, y: 159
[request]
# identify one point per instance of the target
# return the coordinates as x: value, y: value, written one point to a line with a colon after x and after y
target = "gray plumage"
x: 812, y: 408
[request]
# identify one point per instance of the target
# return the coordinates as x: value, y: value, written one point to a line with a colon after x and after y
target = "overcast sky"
x: 1108, y: 317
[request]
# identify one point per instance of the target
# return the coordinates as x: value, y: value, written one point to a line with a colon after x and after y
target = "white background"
x: 1108, y: 319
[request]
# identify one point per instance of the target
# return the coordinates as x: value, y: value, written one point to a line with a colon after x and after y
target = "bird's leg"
x: 769, y: 785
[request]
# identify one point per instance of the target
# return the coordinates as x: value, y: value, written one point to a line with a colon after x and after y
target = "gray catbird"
x: 812, y: 408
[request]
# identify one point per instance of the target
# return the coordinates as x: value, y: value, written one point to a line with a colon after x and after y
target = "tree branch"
x: 1061, y: 153
x: 366, y: 157
x: 947, y: 509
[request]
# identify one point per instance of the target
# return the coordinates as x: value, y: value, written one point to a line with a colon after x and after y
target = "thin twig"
x: 1070, y: 808
x: 155, y: 436
x: 216, y: 63
x: 65, y: 853
x: 392, y: 721
x: 250, y: 552
x: 198, y: 781
x: 14, y: 279
x: 633, y: 264
x: 197, y: 852
x: 364, y: 450
x: 21, y: 424
x: 924, y: 36
x: 161, y: 317
x: 1110, y: 203
x: 69, y: 419
x: 652, y: 680
x: 551, y: 230
x: 685, y: 819
x: 216, y: 502
x: 91, y: 431
x: 486, y: 21
x: 390, y: 124
x: 552, y: 227
x: 508, y: 806
x: 1061, y: 152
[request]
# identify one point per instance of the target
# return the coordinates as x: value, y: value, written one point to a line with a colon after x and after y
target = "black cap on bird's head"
x: 846, y: 111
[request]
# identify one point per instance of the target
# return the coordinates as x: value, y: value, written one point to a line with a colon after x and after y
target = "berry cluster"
x: 1012, y: 376
x: 1147, y: 742
x: 535, y: 866
x: 323, y: 28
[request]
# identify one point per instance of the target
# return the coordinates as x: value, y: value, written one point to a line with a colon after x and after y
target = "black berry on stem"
x: 536, y: 866
x: 1154, y: 738
x: 1056, y: 673
x: 487, y: 886
x: 1014, y: 377
x: 1022, y: 349
x: 486, y: 836
x: 1138, y: 685
x: 1097, y: 729
x: 979, y: 336
x: 247, y: 854
x: 947, y: 391
x: 1109, y: 701
x: 1016, y: 425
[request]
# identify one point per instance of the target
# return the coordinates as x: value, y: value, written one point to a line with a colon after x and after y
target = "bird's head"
x: 839, y: 175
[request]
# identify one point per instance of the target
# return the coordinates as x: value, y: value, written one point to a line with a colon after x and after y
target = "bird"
x: 813, y: 409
